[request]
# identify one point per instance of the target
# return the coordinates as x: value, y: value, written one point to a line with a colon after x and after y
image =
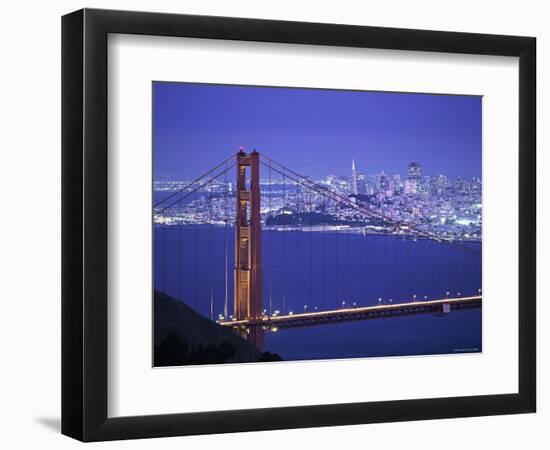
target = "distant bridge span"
x: 275, y: 322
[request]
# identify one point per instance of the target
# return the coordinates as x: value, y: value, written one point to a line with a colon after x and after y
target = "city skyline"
x: 451, y: 209
x: 343, y: 175
x: 322, y: 129
x: 356, y: 176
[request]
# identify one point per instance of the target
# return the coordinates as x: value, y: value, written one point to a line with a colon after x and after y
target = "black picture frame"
x: 84, y: 224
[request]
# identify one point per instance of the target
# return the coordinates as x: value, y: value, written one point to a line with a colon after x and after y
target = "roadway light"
x: 425, y: 297
x: 479, y: 291
x: 414, y: 297
x: 447, y: 294
x: 390, y: 300
x: 379, y: 300
x: 459, y: 294
x: 305, y: 308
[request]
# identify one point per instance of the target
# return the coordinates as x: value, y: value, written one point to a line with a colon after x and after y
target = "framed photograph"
x: 273, y: 224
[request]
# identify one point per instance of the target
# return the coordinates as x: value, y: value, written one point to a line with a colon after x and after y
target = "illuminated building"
x: 414, y: 175
x: 354, y: 189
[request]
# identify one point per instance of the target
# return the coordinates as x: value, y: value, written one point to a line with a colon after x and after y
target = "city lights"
x: 432, y: 204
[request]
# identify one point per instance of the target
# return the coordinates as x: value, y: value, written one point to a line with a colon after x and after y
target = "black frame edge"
x: 215, y: 422
x: 527, y: 289
x: 95, y: 241
x: 84, y: 224
x: 72, y: 252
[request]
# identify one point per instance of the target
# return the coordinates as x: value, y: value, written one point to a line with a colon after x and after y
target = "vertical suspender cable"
x: 361, y: 273
x: 457, y: 256
x: 210, y: 258
x: 447, y: 272
x: 298, y: 233
x: 270, y: 273
x: 179, y: 269
x: 408, y: 286
x: 162, y: 268
x: 349, y: 268
x: 375, y: 279
x: 337, y: 268
x: 385, y: 266
x: 164, y: 256
x: 195, y: 243
x: 269, y: 230
x: 310, y: 208
x: 324, y: 279
x: 432, y: 245
x: 284, y: 245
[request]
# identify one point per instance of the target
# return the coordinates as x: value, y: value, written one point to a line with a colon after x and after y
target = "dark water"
x: 323, y: 270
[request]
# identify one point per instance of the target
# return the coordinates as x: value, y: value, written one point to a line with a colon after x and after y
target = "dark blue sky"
x: 315, y: 132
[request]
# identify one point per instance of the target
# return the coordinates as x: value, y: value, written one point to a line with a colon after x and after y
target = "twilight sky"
x: 315, y: 132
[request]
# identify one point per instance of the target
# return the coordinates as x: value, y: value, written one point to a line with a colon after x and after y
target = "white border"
x: 135, y: 388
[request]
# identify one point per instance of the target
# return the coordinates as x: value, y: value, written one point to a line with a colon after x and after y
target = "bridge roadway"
x: 312, y: 318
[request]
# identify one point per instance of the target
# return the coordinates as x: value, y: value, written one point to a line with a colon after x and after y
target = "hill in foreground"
x: 183, y: 336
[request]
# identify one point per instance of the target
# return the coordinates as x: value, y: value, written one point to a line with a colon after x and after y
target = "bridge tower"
x: 248, y: 293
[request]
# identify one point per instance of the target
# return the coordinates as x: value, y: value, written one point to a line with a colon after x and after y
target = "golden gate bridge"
x: 251, y: 318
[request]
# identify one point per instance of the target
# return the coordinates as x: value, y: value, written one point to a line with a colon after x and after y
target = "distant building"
x: 361, y: 183
x: 354, y: 189
x: 383, y: 182
x: 475, y: 185
x: 440, y: 184
x: 407, y: 187
x: 414, y: 175
x: 369, y: 188
x: 396, y: 183
x: 425, y: 186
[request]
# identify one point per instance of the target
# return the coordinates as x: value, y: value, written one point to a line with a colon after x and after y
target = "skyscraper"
x: 354, y: 189
x: 396, y: 182
x: 383, y: 182
x: 414, y: 175
x: 361, y: 183
x: 440, y: 184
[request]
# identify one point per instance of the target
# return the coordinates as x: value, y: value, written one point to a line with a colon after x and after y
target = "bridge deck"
x: 356, y: 313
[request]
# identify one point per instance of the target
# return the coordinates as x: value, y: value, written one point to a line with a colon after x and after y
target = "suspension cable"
x: 214, y: 177
x: 196, y: 180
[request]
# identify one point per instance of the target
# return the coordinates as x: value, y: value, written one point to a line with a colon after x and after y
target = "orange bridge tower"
x: 248, y: 294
